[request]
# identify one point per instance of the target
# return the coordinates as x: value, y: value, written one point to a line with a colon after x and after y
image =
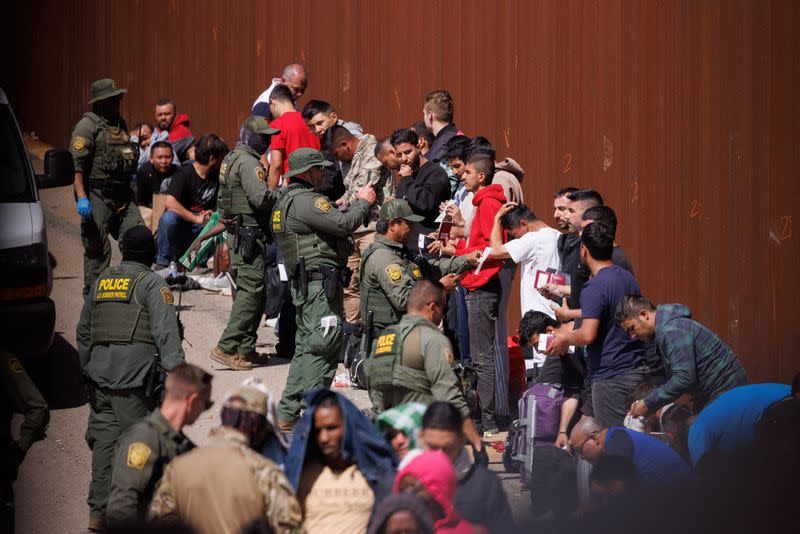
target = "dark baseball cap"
x: 259, y: 124
x: 102, y: 89
x: 398, y: 209
x: 303, y: 159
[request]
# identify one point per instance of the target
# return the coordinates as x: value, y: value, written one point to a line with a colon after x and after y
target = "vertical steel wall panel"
x: 682, y: 113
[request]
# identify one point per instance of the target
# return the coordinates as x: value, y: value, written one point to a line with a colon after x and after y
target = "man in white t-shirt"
x: 534, y: 245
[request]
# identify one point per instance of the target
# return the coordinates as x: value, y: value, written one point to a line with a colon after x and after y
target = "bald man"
x: 654, y: 461
x: 294, y: 77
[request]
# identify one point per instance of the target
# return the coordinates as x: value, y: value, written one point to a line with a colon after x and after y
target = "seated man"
x: 479, y: 497
x: 224, y: 485
x: 191, y: 198
x: 413, y: 361
x: 555, y: 370
x: 339, y: 464
x: 145, y: 449
x: 698, y: 361
x: 152, y: 176
x: 654, y: 461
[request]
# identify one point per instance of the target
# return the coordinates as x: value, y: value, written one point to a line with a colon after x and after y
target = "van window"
x: 16, y: 182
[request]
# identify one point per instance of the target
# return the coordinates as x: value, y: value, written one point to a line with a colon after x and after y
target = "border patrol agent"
x: 105, y: 158
x: 387, y: 270
x: 412, y: 361
x: 245, y: 201
x: 315, y: 241
x: 127, y: 324
x: 145, y: 449
x: 19, y: 395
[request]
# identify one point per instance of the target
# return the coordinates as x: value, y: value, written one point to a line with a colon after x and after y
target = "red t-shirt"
x: 294, y: 134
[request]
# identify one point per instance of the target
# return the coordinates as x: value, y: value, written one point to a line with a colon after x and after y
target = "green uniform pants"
x: 317, y: 351
x: 95, y: 232
x: 240, y: 334
x: 112, y: 412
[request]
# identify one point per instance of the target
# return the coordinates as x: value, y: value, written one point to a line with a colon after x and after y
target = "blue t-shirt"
x: 613, y: 351
x: 653, y: 459
x: 728, y: 423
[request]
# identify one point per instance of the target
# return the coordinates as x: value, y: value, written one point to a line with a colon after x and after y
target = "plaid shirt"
x: 698, y: 361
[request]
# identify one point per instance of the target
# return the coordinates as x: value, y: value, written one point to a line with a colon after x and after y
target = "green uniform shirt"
x: 311, y: 214
x: 142, y: 452
x: 246, y: 174
x: 102, y: 150
x: 121, y: 366
x: 388, y: 274
x: 437, y: 363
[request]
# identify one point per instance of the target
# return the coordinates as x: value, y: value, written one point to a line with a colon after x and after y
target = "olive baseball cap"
x: 303, y: 159
x: 248, y: 399
x: 259, y: 124
x: 102, y: 89
x: 398, y: 209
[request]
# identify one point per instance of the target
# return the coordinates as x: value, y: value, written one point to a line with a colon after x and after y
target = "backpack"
x: 546, y: 400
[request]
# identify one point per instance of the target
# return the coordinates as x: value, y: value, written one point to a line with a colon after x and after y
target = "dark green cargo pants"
x: 241, y: 332
x: 111, y: 412
x: 317, y: 351
x: 95, y: 231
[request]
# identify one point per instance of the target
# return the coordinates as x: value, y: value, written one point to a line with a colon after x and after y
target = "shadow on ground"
x: 58, y: 375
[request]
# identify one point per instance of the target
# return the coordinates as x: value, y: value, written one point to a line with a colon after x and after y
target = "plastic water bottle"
x: 173, y: 269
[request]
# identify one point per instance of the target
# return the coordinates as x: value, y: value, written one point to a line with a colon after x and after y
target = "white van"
x: 27, y: 315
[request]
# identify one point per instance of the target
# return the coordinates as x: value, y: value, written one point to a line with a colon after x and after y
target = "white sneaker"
x: 215, y: 284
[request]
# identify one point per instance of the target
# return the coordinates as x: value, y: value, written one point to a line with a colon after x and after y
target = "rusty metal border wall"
x: 682, y: 113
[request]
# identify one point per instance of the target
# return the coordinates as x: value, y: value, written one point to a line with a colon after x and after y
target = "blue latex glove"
x: 84, y: 207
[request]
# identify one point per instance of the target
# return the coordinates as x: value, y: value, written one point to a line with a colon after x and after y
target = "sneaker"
x: 231, y: 361
x: 255, y: 357
x: 214, y: 284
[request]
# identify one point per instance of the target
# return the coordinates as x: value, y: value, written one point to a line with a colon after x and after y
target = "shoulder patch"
x: 166, y: 294
x: 138, y: 454
x: 78, y: 143
x: 394, y: 272
x: 260, y: 174
x: 322, y: 204
x: 448, y: 355
x: 415, y: 272
x: 14, y: 365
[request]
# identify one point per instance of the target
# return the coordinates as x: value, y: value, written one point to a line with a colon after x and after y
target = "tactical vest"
x: 232, y: 196
x: 373, y: 298
x: 384, y: 368
x: 317, y: 248
x: 115, y: 156
x: 118, y: 317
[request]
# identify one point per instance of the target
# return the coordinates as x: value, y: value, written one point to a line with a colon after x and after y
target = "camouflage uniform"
x: 365, y: 169
x: 223, y: 486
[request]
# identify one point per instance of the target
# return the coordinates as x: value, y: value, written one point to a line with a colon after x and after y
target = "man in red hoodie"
x: 484, y: 289
x: 173, y: 127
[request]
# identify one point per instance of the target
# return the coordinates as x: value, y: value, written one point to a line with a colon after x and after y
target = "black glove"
x: 481, y: 457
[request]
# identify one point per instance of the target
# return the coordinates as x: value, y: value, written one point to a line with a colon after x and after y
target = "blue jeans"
x: 174, y: 237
